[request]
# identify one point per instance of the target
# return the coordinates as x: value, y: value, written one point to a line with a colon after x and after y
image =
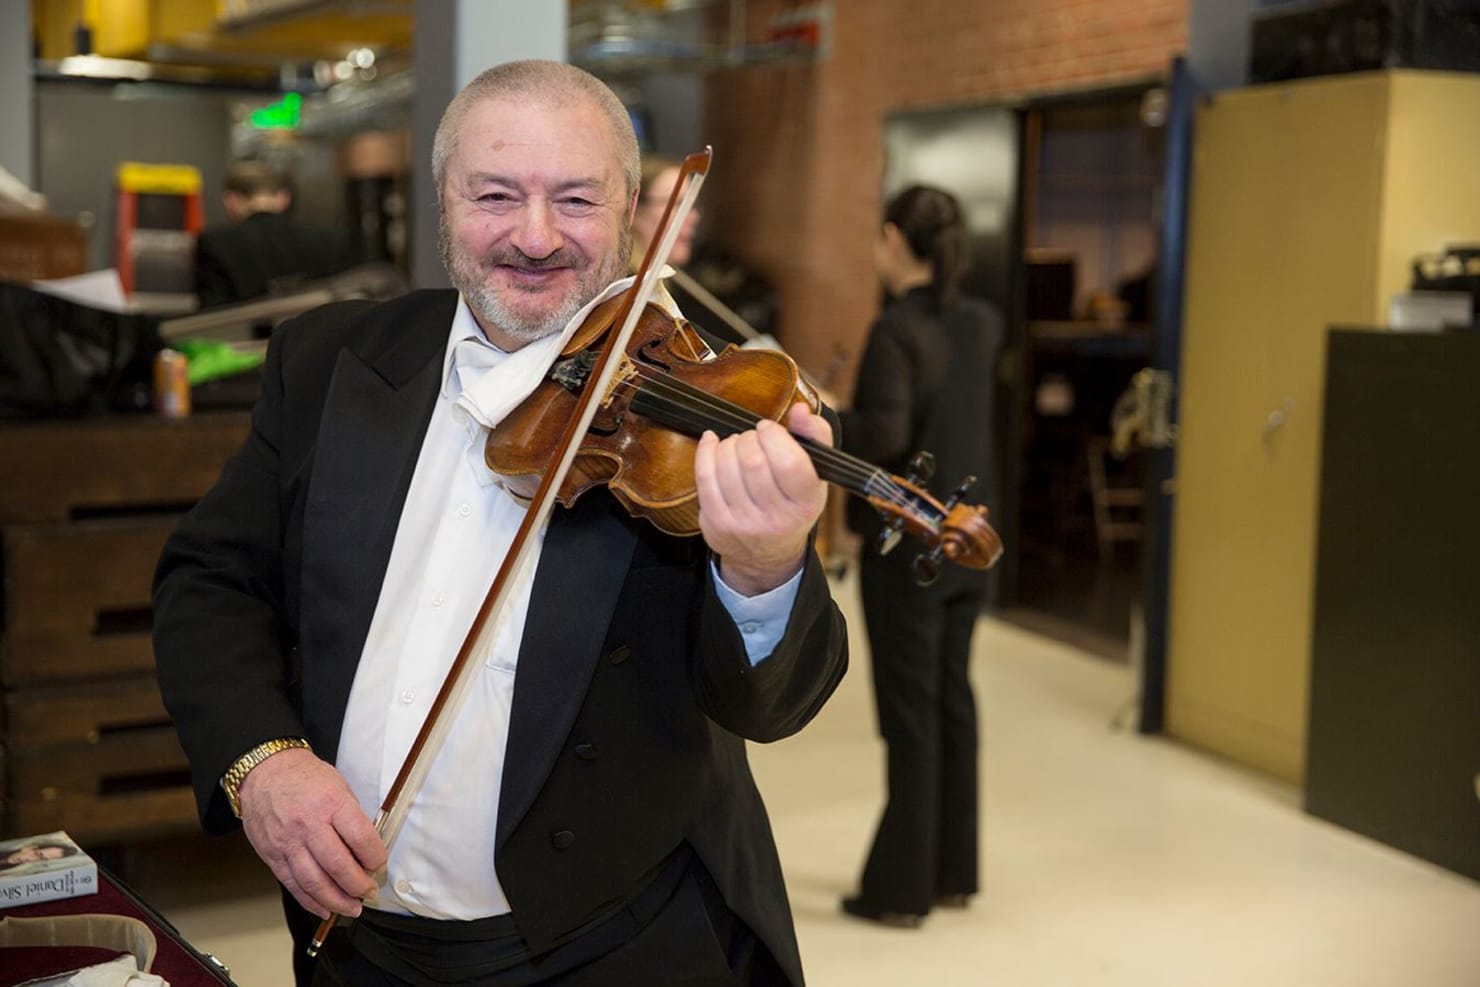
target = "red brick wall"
x: 794, y: 190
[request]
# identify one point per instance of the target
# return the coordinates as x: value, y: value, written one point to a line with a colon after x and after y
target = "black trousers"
x: 920, y: 650
x: 693, y: 939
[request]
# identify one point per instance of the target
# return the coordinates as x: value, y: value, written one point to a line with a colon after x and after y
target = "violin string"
x: 686, y: 406
x: 836, y: 465
x: 698, y: 409
x: 705, y: 410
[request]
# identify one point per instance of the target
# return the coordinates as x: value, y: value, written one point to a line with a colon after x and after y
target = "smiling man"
x: 525, y: 244
x: 590, y: 817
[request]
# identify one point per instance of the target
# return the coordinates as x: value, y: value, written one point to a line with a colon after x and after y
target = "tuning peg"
x: 960, y: 492
x: 921, y: 468
x: 926, y: 567
x: 889, y: 536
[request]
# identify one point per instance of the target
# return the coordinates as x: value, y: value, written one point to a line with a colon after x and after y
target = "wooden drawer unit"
x: 86, y: 506
x: 98, y: 758
x: 77, y: 598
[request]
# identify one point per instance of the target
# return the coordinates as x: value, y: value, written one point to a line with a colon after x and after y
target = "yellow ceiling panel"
x: 266, y: 33
x: 175, y: 19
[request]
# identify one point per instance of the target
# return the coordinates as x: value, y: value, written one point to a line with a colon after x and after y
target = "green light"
x: 282, y: 115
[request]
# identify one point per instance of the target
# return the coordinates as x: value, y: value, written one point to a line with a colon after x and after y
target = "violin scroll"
x: 927, y: 566
x: 953, y: 530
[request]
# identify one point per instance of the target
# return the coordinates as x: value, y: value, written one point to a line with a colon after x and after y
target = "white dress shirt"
x: 456, y: 527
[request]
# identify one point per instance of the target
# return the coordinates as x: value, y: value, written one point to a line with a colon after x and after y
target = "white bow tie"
x: 471, y: 359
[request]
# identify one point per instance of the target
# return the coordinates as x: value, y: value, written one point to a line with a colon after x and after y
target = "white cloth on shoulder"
x: 487, y: 397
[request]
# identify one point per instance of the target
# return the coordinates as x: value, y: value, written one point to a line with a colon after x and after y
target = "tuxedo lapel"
x: 375, y: 416
x: 583, y: 563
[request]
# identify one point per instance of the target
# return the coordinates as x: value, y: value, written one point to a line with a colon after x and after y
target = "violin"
x: 667, y: 391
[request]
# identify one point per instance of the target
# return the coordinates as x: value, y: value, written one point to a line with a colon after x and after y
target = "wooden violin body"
x: 647, y: 466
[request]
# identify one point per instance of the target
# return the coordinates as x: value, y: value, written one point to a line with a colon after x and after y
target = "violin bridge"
x: 626, y: 373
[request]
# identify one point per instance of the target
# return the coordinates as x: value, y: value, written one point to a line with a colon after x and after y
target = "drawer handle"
x: 110, y: 621
x: 97, y: 733
x: 162, y: 779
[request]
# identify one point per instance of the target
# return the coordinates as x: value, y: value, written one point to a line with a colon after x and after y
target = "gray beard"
x: 491, y: 310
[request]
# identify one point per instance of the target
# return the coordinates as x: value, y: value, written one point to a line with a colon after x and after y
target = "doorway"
x: 1092, y: 174
x: 1064, y: 198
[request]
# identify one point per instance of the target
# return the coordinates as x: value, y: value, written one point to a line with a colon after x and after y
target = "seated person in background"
x: 659, y: 175
x: 743, y: 293
x: 263, y: 243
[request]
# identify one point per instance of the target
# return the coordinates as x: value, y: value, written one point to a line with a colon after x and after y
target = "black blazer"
x: 242, y: 261
x: 633, y: 696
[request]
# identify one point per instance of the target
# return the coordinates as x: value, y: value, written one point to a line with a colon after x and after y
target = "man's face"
x: 534, y: 215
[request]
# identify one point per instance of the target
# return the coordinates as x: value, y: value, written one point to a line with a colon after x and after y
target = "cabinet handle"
x: 1274, y: 421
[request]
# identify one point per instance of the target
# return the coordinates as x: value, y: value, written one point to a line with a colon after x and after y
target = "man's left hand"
x: 759, y: 496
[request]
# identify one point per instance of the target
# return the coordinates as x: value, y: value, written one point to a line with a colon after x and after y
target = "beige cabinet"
x: 1309, y: 202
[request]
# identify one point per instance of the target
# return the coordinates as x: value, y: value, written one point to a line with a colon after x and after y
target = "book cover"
x: 43, y: 868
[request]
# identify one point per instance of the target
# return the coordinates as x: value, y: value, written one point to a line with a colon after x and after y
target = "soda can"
x: 171, y: 384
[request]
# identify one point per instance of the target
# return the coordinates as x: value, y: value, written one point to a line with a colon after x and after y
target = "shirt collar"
x: 464, y: 326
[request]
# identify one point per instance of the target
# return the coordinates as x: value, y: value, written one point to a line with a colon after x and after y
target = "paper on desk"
x: 95, y: 289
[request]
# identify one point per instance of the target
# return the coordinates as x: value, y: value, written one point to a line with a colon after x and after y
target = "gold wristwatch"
x: 231, y: 781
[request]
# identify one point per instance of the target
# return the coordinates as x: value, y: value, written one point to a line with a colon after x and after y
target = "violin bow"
x: 455, y: 687
x: 706, y: 298
x: 733, y: 319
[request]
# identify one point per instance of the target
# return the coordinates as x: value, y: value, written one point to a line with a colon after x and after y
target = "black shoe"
x: 895, y: 920
x: 953, y: 900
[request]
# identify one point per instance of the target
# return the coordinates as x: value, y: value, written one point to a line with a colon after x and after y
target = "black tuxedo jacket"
x: 633, y: 696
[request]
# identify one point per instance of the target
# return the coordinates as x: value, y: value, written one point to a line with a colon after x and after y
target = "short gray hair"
x: 552, y: 83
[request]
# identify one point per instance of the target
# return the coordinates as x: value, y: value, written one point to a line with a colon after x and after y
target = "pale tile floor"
x: 1108, y: 859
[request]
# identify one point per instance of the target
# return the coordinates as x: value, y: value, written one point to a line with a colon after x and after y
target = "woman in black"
x: 925, y: 383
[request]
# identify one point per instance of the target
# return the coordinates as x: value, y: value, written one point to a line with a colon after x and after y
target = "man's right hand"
x: 305, y: 824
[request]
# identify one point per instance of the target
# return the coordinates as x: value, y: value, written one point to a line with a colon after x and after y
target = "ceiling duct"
x: 632, y: 37
x: 253, y: 15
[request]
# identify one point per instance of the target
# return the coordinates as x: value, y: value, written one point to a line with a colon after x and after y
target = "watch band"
x: 231, y: 781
